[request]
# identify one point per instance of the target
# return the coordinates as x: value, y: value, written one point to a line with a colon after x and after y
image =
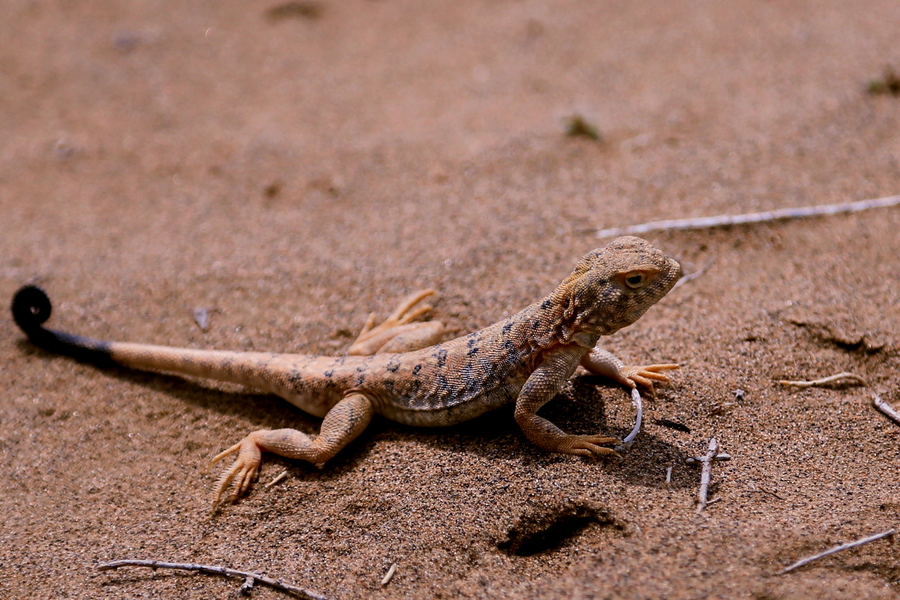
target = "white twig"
x: 247, y: 586
x: 692, y: 460
x: 772, y: 215
x: 280, y: 476
x: 668, y: 475
x: 249, y: 578
x: 706, y: 472
x: 629, y: 439
x: 696, y: 274
x: 840, y: 548
x: 886, y: 408
x: 389, y: 575
x: 824, y: 380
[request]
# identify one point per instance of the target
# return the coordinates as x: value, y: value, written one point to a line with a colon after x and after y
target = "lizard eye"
x: 635, y: 279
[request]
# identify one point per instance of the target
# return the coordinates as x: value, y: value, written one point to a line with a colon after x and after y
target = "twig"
x: 668, y: 475
x: 886, y: 408
x: 629, y: 439
x: 840, y: 548
x: 280, y: 476
x: 389, y: 575
x: 248, y: 577
x: 765, y: 491
x: 696, y: 274
x: 706, y: 472
x: 824, y: 380
x: 772, y: 215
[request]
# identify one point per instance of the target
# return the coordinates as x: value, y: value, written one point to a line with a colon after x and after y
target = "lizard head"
x: 611, y: 287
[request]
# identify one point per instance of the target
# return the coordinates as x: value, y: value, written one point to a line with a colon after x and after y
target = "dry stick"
x: 824, y: 380
x: 846, y: 546
x: 772, y: 215
x: 280, y: 476
x: 696, y: 274
x: 389, y: 575
x: 706, y: 472
x: 885, y: 408
x: 249, y: 577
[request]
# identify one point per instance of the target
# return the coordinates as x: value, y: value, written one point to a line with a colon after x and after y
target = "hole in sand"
x: 552, y: 528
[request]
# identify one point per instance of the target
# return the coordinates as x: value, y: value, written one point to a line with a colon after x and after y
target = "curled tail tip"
x: 31, y: 308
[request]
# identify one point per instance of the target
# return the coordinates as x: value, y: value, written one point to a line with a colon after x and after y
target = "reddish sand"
x: 292, y: 170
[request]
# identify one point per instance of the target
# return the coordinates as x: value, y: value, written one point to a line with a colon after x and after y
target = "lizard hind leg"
x: 400, y: 332
x: 343, y: 423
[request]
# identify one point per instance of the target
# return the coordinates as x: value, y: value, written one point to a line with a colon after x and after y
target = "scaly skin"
x: 525, y: 359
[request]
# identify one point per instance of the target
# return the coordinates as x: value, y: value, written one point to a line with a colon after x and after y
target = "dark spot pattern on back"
x: 442, y: 383
x: 416, y: 369
x: 441, y: 357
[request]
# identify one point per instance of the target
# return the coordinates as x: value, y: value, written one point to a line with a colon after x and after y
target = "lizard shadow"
x: 579, y: 408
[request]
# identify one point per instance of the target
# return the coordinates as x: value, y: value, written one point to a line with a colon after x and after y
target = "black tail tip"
x: 31, y: 308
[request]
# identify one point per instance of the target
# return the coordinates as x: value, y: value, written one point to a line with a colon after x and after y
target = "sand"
x: 290, y: 168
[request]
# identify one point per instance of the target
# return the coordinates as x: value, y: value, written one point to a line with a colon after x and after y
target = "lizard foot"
x: 647, y: 375
x: 587, y: 445
x: 601, y: 362
x: 399, y: 332
x: 243, y: 471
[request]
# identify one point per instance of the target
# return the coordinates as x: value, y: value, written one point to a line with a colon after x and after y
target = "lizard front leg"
x: 346, y: 420
x: 557, y: 366
x: 602, y: 362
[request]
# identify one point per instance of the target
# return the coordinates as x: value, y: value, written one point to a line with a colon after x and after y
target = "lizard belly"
x: 445, y: 408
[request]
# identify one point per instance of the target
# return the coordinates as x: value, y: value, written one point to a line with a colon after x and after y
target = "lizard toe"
x: 647, y: 375
x: 242, y: 472
x: 598, y: 451
x: 588, y: 445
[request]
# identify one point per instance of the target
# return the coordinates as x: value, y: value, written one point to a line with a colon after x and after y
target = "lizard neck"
x: 549, y: 322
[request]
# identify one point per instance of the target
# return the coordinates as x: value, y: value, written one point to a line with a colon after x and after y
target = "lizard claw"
x: 587, y: 445
x: 647, y: 375
x: 243, y: 471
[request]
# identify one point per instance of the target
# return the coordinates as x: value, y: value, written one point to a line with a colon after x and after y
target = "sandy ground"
x: 293, y: 168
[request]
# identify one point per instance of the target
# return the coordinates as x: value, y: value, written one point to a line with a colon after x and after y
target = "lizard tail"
x: 31, y: 307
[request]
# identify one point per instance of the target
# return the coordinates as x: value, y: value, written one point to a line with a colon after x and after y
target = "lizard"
x: 401, y: 371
